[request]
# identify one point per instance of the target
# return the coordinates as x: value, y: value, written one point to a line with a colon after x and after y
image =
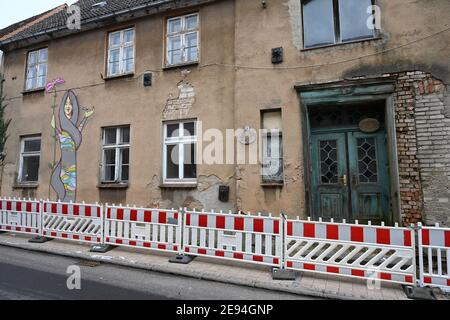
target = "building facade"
x: 334, y: 109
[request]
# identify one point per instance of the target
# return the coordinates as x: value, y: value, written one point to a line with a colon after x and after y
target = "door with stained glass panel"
x: 329, y: 169
x: 369, y: 177
x: 350, y: 177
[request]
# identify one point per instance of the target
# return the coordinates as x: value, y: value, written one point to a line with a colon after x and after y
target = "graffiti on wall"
x: 68, y: 125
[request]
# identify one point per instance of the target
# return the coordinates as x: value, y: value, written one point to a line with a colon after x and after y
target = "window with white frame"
x: 182, y: 39
x: 180, y: 144
x: 116, y: 154
x: 272, y: 147
x: 36, y: 69
x: 30, y: 153
x: 121, y: 52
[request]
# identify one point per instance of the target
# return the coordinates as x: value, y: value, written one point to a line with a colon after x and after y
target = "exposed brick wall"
x: 411, y: 198
x: 433, y: 141
x: 423, y: 141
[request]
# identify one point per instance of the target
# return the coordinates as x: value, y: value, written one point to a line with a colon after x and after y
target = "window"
x: 327, y: 22
x: 182, y: 40
x: 180, y: 143
x: 121, y: 52
x: 116, y: 155
x: 36, y: 69
x: 272, y: 147
x: 30, y: 153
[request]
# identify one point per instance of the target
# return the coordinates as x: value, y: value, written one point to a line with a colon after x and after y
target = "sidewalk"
x: 308, y: 284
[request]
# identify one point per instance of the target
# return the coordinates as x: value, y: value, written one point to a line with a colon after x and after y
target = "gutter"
x: 90, y: 21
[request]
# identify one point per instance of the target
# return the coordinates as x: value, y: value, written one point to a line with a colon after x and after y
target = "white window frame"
x: 183, y: 33
x: 118, y: 147
x: 24, y: 154
x: 36, y: 66
x: 121, y: 46
x: 181, y: 140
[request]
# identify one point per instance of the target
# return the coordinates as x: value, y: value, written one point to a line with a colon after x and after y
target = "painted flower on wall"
x: 52, y: 84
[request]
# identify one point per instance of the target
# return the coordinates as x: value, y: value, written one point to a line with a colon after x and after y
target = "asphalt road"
x: 37, y: 276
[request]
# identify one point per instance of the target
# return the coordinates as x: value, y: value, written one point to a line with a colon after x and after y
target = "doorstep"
x: 306, y: 284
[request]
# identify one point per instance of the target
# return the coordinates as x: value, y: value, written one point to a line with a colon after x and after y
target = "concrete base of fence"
x: 283, y: 274
x: 102, y: 248
x: 418, y: 293
x: 181, y: 259
x: 39, y: 240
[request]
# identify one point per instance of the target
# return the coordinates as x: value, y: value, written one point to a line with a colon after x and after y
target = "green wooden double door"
x: 350, y: 176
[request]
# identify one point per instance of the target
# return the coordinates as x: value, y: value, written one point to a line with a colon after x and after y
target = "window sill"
x: 21, y: 185
x: 340, y: 44
x: 272, y: 184
x: 181, y: 65
x: 119, y: 76
x: 31, y: 91
x: 113, y: 186
x: 178, y: 186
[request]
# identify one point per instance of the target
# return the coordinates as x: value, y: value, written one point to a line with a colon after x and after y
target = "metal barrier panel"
x: 351, y: 250
x: 253, y: 239
x: 434, y: 256
x: 73, y: 221
x: 155, y: 229
x: 20, y: 216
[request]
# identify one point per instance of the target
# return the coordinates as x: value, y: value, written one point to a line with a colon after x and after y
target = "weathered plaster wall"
x: 234, y: 82
x: 80, y: 60
x: 406, y: 44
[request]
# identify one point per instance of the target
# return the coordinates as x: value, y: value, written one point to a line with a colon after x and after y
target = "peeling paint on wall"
x: 295, y: 19
x: 179, y: 107
x: 204, y: 197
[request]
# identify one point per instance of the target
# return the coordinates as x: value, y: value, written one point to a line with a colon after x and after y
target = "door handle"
x: 344, y: 180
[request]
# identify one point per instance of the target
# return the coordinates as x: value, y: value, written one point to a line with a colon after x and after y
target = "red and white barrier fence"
x: 434, y: 257
x: 247, y: 238
x: 73, y: 221
x: 20, y: 216
x: 145, y: 228
x: 351, y: 250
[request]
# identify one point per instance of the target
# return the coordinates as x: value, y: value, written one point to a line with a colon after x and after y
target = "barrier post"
x: 434, y: 252
x: 182, y: 258
x: 40, y: 238
x: 419, y: 291
x: 281, y: 273
x: 103, y: 247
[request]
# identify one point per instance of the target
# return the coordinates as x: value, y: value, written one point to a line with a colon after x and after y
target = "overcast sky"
x: 12, y: 11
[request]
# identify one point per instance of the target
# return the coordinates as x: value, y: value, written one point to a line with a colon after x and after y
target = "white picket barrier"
x: 245, y: 238
x: 20, y: 216
x: 155, y: 229
x: 434, y: 257
x: 351, y: 250
x: 73, y: 221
